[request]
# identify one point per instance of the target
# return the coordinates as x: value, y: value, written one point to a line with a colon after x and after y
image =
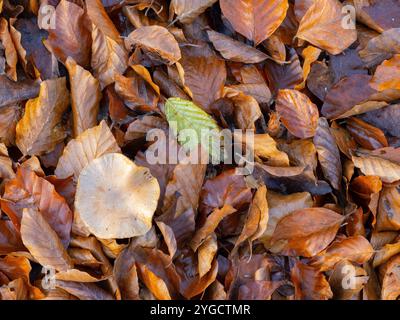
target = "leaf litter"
x: 89, y: 92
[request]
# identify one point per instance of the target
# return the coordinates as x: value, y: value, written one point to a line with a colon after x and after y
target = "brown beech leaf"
x: 39, y: 130
x: 373, y: 13
x: 235, y: 50
x: 88, y: 146
x: 385, y: 253
x: 125, y: 273
x: 391, y: 279
x: 322, y: 26
x: 13, y: 92
x: 285, y: 76
x: 301, y: 7
x: 387, y: 75
x: 106, y: 211
x: 355, y: 249
x: 108, y: 57
x: 280, y: 206
x: 298, y: 113
x: 328, y: 153
x: 384, y: 119
x: 210, y: 225
x: 84, y: 291
x: 257, y: 219
x: 10, y: 239
x: 28, y: 190
x: 388, y: 217
x: 157, y: 272
x: 255, y: 19
x: 10, y: 52
x: 206, y: 254
x: 373, y: 166
x: 77, y: 275
x: 276, y: 48
x: 187, y: 11
x: 344, y: 140
x: 310, y: 55
x: 71, y: 35
x: 338, y: 277
x: 140, y: 127
x: 85, y: 96
x: 9, y: 117
x: 183, y: 190
x: 136, y: 93
x: 366, y: 135
x: 155, y: 39
x: 225, y: 189
x: 345, y: 95
x: 101, y: 20
x: 6, y: 169
x: 381, y: 47
x: 247, y: 110
x: 205, y: 77
x: 320, y: 79
x: 266, y: 148
x: 169, y: 237
x: 309, y: 283
x: 42, y: 241
x: 190, y: 282
x: 305, y: 232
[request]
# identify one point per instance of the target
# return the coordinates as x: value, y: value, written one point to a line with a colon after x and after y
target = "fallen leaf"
x: 322, y: 26
x: 328, y: 153
x: 205, y: 77
x: 42, y: 241
x: 381, y: 47
x: 234, y: 50
x: 188, y: 11
x: 85, y: 106
x: 71, y: 35
x: 40, y: 129
x: 210, y: 225
x: 28, y: 190
x: 298, y: 113
x: 309, y: 283
x: 88, y: 146
x: 305, y: 232
x: 155, y: 39
x: 255, y: 19
x: 355, y: 249
x: 387, y: 74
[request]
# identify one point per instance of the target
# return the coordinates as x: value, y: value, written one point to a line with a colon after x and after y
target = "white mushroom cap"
x: 115, y: 198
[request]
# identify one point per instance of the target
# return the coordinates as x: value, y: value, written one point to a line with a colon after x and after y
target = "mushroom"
x: 115, y: 198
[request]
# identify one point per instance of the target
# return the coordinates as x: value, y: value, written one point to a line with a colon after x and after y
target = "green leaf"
x: 192, y: 126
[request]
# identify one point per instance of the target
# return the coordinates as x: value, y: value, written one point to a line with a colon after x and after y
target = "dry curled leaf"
x: 323, y: 25
x: 85, y: 106
x: 328, y: 153
x: 40, y: 128
x: 187, y: 11
x: 42, y: 241
x: 234, y: 50
x: 28, y: 190
x: 309, y: 283
x: 298, y: 113
x: 306, y: 232
x: 88, y: 146
x: 71, y: 35
x: 255, y: 19
x: 155, y: 39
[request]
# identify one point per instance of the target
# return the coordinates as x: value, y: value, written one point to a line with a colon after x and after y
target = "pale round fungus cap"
x: 115, y: 198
